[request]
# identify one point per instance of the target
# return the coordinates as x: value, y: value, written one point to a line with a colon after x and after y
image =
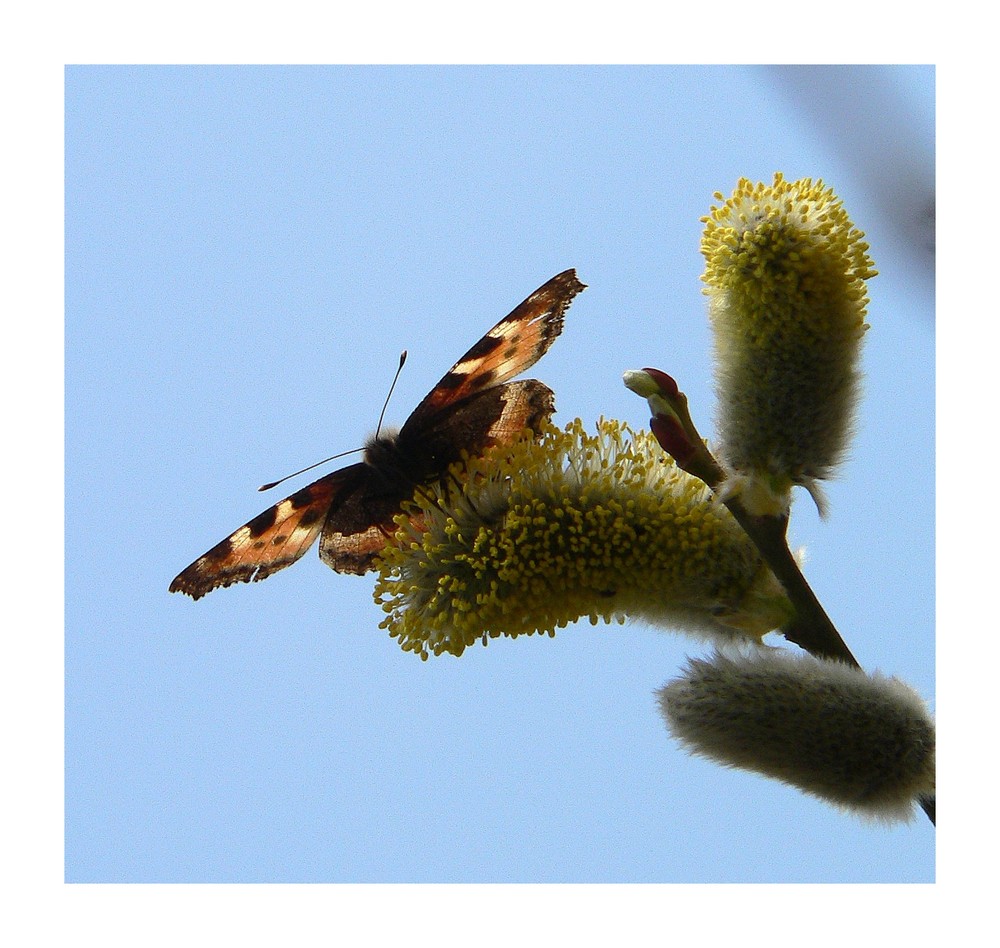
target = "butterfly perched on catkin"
x: 473, y: 407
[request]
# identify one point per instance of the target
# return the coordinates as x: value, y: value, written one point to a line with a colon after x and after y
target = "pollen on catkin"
x: 785, y: 276
x: 542, y: 532
x: 864, y: 743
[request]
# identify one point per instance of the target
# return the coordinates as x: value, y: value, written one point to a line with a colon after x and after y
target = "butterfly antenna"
x: 281, y: 480
x: 402, y: 359
x: 395, y: 378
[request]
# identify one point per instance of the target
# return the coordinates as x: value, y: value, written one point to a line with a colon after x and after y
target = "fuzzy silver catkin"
x: 861, y: 742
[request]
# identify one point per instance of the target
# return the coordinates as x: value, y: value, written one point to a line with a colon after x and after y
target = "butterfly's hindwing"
x: 474, y: 424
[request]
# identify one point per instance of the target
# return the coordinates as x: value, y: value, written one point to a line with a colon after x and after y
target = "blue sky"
x: 247, y: 251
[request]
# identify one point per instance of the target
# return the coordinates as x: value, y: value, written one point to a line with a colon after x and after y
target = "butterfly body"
x: 351, y: 510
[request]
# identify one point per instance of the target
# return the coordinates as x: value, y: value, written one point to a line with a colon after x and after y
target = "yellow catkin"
x: 785, y: 276
x: 545, y: 532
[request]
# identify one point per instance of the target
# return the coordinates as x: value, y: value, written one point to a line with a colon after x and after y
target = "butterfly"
x: 351, y: 510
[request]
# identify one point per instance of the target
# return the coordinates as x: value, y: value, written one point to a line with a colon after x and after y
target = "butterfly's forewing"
x: 274, y: 539
x: 514, y: 344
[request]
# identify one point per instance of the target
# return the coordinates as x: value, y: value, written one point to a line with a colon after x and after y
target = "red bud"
x: 668, y: 387
x: 668, y: 431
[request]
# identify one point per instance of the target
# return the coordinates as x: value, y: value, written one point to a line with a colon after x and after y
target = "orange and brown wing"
x: 518, y: 341
x: 352, y: 548
x: 272, y: 540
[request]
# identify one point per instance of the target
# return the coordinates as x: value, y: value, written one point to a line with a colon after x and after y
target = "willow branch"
x: 810, y: 628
